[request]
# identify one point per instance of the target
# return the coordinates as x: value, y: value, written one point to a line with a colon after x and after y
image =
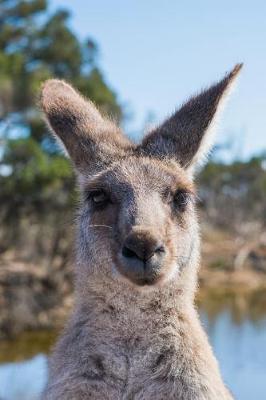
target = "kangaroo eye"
x: 99, y: 197
x: 181, y: 199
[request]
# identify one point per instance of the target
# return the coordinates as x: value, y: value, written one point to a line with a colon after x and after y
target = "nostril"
x: 129, y: 253
x: 160, y: 249
x: 154, y: 250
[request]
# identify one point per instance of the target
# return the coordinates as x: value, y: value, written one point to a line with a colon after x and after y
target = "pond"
x: 236, y: 328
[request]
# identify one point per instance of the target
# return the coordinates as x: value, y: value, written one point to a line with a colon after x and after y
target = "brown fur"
x: 134, y: 333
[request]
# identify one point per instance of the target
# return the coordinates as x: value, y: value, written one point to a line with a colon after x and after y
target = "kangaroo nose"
x: 143, y: 254
x: 141, y: 247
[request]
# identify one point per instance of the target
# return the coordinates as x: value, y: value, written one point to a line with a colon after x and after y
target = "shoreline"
x: 34, y: 299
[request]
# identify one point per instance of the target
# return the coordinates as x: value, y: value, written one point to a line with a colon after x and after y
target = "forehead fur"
x: 143, y: 172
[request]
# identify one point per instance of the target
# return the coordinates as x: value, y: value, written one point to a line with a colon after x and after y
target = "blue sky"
x: 155, y: 54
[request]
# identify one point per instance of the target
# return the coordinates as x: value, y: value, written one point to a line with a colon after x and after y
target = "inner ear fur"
x: 90, y: 140
x: 185, y: 136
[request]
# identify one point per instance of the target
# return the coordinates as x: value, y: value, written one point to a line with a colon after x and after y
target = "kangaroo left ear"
x: 187, y: 135
x: 91, y: 141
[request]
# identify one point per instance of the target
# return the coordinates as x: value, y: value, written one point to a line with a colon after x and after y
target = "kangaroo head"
x: 137, y: 220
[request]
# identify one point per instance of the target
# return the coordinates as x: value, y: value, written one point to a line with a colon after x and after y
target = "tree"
x: 35, y: 45
x: 233, y: 195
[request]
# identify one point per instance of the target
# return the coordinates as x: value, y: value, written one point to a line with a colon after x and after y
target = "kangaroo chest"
x: 136, y: 362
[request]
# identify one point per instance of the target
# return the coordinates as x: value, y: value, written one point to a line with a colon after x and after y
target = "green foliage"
x: 34, y: 173
x: 234, y: 194
x: 34, y: 46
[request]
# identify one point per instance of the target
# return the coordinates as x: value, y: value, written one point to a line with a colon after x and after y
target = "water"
x: 241, y: 352
x: 237, y: 334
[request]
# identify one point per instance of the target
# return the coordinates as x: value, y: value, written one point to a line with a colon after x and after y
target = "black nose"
x: 142, y: 248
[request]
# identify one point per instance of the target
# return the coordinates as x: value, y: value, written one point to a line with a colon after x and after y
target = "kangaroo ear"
x: 90, y: 140
x: 186, y: 135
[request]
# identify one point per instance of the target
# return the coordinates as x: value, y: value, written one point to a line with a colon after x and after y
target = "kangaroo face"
x: 137, y: 220
x: 139, y: 213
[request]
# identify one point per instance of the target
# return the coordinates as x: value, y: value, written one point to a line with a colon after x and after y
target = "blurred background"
x: 137, y: 61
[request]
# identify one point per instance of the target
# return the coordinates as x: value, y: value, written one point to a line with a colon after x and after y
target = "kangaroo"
x: 135, y: 332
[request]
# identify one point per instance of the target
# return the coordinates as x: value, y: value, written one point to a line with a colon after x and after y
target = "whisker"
x: 99, y: 226
x: 180, y: 258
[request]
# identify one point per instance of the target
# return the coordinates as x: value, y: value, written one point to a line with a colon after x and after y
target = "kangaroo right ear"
x: 90, y: 140
x: 187, y: 135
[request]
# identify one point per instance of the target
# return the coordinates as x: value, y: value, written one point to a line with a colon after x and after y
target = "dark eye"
x: 181, y: 199
x: 99, y: 198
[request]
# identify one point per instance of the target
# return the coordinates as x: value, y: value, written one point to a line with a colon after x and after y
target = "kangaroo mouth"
x: 139, y: 279
x: 146, y: 281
